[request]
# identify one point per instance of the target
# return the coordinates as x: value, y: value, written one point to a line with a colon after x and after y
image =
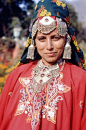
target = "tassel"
x: 31, y: 49
x: 67, y: 49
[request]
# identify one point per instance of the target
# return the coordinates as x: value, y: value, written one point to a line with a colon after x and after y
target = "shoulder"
x: 74, y: 76
x: 27, y: 65
x: 74, y: 70
x: 23, y: 68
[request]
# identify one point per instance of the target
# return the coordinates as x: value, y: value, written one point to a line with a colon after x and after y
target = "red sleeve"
x: 7, y: 91
x: 79, y: 105
x: 83, y: 122
x: 9, y: 87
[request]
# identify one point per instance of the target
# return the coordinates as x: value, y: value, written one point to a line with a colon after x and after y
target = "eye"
x: 56, y: 38
x: 41, y: 38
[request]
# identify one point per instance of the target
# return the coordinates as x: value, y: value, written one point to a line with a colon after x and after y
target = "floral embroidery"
x: 73, y: 37
x: 10, y: 94
x: 80, y: 65
x: 67, y: 20
x: 83, y: 63
x: 57, y: 13
x: 59, y: 3
x: 43, y: 12
x: 40, y: 105
x: 75, y: 43
x: 28, y: 42
x: 81, y: 104
x: 82, y: 60
x: 54, y: 1
x: 39, y: 11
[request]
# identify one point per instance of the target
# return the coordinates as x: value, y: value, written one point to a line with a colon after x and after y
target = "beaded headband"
x: 49, y: 23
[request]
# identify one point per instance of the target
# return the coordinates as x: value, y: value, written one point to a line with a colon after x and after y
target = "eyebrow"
x: 40, y: 36
x: 44, y: 35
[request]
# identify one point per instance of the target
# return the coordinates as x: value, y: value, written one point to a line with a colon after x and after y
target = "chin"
x: 52, y: 60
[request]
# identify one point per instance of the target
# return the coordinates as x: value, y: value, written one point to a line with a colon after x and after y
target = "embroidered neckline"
x: 43, y: 74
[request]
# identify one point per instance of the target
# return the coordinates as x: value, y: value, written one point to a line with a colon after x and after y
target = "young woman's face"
x: 50, y: 46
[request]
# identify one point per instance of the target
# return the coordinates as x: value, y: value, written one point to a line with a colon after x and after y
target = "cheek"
x: 40, y: 45
x: 59, y: 44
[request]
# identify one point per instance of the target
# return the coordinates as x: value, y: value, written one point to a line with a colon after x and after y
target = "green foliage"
x: 15, y: 21
x: 73, y: 16
x: 79, y: 30
x: 13, y: 14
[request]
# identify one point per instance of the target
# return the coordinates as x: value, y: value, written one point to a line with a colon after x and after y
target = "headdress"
x: 47, y: 24
x: 57, y: 9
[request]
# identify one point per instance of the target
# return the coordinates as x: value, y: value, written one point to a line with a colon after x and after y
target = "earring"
x: 67, y: 49
x: 31, y: 49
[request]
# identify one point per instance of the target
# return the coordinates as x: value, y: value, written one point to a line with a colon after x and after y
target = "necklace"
x: 43, y: 74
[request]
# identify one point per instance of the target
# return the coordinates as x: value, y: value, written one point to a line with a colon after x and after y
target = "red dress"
x: 62, y: 107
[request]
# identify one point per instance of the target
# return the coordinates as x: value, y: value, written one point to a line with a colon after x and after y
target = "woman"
x: 49, y: 92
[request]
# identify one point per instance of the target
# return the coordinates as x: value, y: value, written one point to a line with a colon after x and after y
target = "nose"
x: 49, y: 45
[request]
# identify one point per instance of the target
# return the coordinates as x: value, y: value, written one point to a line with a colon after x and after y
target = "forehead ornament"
x: 45, y: 25
x: 49, y: 23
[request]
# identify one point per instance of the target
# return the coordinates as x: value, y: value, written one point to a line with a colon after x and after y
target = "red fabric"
x: 50, y: 16
x: 70, y: 106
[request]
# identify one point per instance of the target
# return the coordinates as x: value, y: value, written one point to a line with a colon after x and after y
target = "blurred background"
x: 15, y: 18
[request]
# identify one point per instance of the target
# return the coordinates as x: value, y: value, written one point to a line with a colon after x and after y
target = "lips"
x: 51, y: 54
